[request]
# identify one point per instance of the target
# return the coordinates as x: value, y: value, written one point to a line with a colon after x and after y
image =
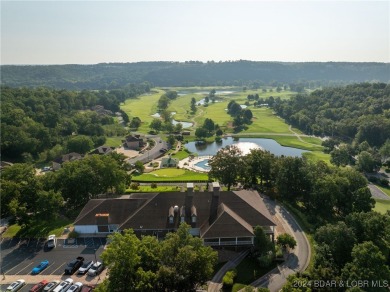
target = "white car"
x: 85, y: 267
x: 75, y: 287
x: 51, y: 241
x: 64, y: 285
x: 96, y: 269
x: 16, y: 286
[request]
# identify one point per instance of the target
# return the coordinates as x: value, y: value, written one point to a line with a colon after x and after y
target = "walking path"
x: 215, y: 284
x: 377, y: 193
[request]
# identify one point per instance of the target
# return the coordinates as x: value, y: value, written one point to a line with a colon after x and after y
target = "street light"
x: 95, y: 254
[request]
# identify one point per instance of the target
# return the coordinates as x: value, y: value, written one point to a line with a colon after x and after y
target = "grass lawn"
x: 181, y: 155
x: 143, y: 107
x: 317, y: 156
x: 382, y: 206
x: 216, y: 112
x: 182, y: 107
x: 265, y: 121
x: 171, y: 174
x: 39, y: 229
x: 114, y: 141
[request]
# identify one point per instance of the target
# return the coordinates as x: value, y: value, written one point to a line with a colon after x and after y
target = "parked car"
x: 51, y: 241
x: 96, y: 269
x: 16, y: 286
x: 76, y: 287
x: 63, y: 286
x: 85, y: 267
x: 51, y: 285
x: 42, y: 265
x: 39, y: 286
x: 86, y: 288
x: 74, y: 265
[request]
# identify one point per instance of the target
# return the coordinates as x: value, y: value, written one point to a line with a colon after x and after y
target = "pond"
x: 174, y: 122
x: 245, y: 144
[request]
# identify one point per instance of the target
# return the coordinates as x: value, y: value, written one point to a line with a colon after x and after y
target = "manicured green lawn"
x: 143, y: 107
x: 265, y: 121
x: 317, y: 156
x: 181, y: 155
x: 216, y: 112
x: 114, y: 141
x: 382, y: 206
x: 39, y: 229
x: 171, y: 174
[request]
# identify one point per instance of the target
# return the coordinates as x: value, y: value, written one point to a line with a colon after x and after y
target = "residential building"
x: 220, y: 218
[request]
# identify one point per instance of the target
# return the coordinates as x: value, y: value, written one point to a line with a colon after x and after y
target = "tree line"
x: 29, y: 197
x: 324, y: 193
x: 356, y: 118
x: 108, y: 76
x: 352, y: 242
x: 42, y: 123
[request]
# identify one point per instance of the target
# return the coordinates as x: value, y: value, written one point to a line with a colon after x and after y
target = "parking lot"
x: 20, y: 255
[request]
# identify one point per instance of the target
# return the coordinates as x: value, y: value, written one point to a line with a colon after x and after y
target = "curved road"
x: 297, y: 261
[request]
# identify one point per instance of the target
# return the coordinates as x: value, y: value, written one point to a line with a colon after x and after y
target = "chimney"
x: 190, y: 189
x: 182, y: 214
x: 216, y: 188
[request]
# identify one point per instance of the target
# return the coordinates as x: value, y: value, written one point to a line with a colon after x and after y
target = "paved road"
x: 297, y: 261
x: 151, y: 154
x: 377, y: 193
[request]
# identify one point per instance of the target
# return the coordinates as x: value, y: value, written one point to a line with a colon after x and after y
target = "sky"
x: 90, y: 32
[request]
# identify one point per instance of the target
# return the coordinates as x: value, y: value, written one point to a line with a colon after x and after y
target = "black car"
x: 74, y: 265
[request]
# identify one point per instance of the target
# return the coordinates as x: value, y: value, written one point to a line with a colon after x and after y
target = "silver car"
x: 64, y: 285
x: 85, y: 267
x: 51, y: 285
x: 16, y: 286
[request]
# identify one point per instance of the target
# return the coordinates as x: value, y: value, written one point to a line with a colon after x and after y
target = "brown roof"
x: 118, y: 210
x: 227, y: 222
x: 102, y: 150
x: 228, y: 215
x: 68, y: 157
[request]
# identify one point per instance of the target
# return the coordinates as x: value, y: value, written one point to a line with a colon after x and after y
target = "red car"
x: 39, y: 287
x: 86, y: 288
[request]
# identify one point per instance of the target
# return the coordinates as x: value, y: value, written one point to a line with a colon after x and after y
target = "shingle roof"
x: 68, y: 157
x: 226, y: 215
x: 102, y: 150
x: 226, y: 223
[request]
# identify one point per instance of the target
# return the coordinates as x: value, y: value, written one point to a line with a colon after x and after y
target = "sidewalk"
x: 215, y: 284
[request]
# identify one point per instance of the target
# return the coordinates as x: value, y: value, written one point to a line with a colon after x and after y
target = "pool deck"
x: 189, y: 163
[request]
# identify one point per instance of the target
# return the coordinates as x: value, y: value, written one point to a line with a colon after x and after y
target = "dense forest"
x: 41, y: 123
x: 355, y: 117
x: 192, y: 73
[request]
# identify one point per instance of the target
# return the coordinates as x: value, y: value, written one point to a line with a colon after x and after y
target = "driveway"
x: 297, y: 261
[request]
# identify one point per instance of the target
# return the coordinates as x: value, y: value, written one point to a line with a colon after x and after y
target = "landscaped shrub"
x: 265, y: 260
x: 134, y: 186
x: 228, y: 279
x: 153, y: 185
